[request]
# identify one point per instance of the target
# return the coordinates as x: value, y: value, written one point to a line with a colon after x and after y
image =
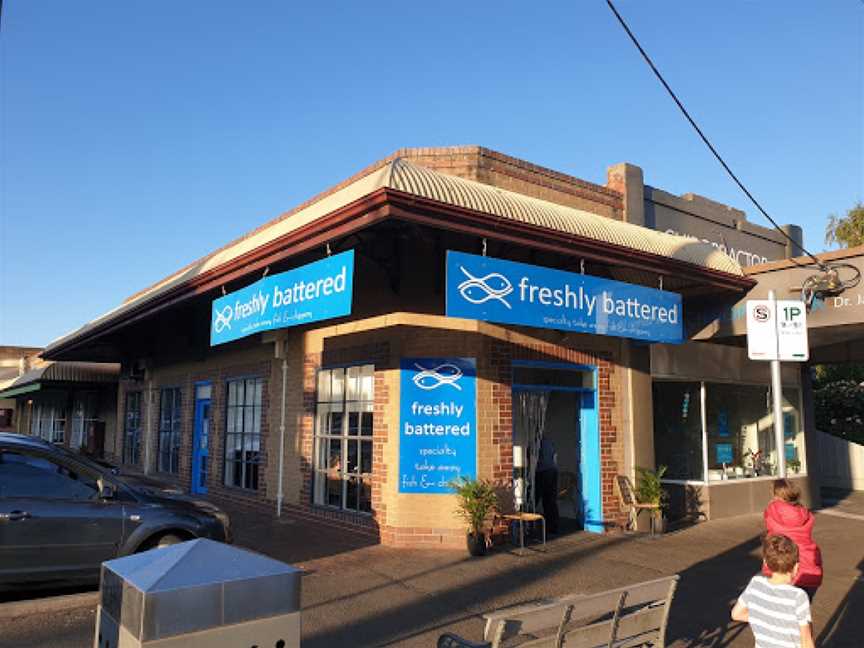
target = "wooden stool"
x: 522, y: 518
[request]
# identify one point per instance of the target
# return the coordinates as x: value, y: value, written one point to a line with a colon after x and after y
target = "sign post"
x: 777, y: 398
x: 776, y: 331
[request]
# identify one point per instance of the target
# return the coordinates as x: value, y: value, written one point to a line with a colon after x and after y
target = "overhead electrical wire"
x: 828, y: 283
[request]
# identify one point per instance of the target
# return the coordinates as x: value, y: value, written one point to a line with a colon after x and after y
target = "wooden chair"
x: 628, y: 499
x: 635, y: 615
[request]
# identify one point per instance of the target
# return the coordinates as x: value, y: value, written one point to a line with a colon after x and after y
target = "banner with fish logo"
x: 438, y: 423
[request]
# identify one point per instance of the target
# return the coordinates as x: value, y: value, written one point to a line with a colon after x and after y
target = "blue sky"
x: 139, y: 136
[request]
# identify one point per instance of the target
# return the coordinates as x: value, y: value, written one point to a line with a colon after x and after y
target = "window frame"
x: 89, y: 413
x: 799, y: 437
x: 130, y: 432
x: 257, y: 410
x: 173, y: 433
x: 322, y: 472
x: 52, y: 411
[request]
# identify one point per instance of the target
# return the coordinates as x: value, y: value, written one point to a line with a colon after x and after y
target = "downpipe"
x: 280, y: 492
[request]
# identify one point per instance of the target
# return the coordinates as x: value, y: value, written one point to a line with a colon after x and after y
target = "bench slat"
x: 632, y: 630
x: 644, y: 615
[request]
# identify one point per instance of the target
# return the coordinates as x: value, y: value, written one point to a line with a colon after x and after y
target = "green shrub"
x: 649, y: 490
x: 476, y: 498
x: 839, y: 409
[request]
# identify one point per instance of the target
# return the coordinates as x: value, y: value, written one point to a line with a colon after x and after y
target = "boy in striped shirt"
x: 777, y: 611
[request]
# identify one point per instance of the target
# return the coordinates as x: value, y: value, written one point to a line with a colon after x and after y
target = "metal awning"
x: 61, y: 372
x: 399, y: 177
x: 18, y: 391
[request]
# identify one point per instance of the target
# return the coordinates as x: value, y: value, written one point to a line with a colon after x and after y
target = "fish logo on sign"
x: 444, y: 374
x: 223, y: 319
x: 479, y: 290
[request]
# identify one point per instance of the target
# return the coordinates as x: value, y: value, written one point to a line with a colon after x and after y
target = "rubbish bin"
x: 198, y: 593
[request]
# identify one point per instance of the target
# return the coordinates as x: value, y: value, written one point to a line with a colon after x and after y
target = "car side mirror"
x: 107, y: 491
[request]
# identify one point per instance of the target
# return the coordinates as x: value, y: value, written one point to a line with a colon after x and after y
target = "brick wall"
x: 429, y: 520
x: 218, y: 370
x: 398, y: 519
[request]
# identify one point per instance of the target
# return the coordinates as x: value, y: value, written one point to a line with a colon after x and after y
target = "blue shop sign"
x: 438, y: 423
x: 494, y: 290
x: 310, y: 293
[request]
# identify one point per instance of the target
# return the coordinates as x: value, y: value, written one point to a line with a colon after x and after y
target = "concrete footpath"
x: 359, y: 594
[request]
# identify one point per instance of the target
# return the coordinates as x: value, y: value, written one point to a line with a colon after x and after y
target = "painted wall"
x: 839, y: 463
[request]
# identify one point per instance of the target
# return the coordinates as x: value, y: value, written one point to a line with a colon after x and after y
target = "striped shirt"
x: 776, y: 613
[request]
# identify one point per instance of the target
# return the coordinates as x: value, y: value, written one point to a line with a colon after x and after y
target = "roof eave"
x: 387, y: 203
x: 427, y: 212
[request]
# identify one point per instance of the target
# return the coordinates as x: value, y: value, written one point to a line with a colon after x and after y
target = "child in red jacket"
x: 786, y: 516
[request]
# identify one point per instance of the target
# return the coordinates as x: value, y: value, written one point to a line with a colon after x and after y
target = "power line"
x: 702, y: 135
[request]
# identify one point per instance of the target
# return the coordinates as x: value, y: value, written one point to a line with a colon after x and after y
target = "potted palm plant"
x: 475, y: 500
x: 649, y: 490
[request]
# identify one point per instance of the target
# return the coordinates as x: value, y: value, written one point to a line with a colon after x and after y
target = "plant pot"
x: 659, y: 525
x: 476, y: 544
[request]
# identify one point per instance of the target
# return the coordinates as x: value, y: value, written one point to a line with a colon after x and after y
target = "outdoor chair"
x: 628, y: 499
x: 635, y: 615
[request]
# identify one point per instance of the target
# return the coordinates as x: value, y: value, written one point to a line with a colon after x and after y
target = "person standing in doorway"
x: 546, y: 483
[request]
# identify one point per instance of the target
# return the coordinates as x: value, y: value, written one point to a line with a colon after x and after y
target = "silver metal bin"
x: 195, y: 594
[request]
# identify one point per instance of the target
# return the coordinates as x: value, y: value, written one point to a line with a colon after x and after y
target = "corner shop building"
x: 208, y: 400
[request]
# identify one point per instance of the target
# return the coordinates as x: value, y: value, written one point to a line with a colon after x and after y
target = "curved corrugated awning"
x: 61, y: 372
x: 409, y: 179
x: 480, y: 197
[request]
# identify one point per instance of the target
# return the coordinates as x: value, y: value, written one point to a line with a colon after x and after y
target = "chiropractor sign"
x: 310, y: 293
x: 495, y: 290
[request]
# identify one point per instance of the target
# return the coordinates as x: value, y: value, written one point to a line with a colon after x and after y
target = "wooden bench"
x: 635, y: 615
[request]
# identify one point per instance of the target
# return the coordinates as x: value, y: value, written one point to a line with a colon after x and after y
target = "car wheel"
x: 167, y: 540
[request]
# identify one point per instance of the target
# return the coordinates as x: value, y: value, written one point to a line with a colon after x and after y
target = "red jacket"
x: 796, y: 523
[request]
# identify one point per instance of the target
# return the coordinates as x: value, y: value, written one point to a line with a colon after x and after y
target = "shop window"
x: 678, y: 429
x: 738, y: 434
x: 5, y: 418
x: 84, y: 411
x: 243, y: 433
x: 793, y: 431
x: 168, y: 452
x: 343, y: 438
x: 49, y: 421
x: 132, y: 429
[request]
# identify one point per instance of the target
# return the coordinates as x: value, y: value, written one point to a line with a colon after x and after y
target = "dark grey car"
x: 62, y: 515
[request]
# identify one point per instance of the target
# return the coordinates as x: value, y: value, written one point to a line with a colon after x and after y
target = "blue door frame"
x: 200, y: 446
x: 591, y: 495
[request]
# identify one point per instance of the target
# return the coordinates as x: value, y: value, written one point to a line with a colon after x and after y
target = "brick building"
x: 312, y: 414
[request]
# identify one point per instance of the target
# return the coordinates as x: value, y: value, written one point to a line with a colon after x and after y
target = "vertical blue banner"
x: 438, y: 423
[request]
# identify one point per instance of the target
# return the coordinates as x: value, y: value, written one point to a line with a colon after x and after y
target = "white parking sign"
x: 777, y: 330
